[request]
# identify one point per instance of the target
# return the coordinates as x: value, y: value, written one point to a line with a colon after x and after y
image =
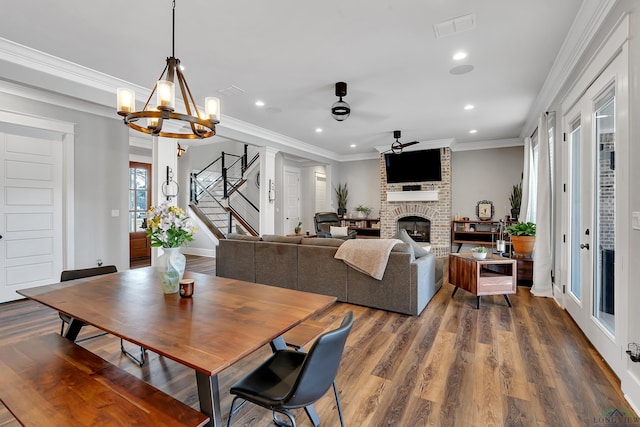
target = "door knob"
x: 584, y: 246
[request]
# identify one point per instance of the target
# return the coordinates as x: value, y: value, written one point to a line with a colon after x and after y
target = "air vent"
x: 455, y: 25
x: 230, y: 91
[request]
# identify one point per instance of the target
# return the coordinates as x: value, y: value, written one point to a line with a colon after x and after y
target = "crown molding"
x: 487, y: 145
x: 585, y: 25
x: 42, y: 62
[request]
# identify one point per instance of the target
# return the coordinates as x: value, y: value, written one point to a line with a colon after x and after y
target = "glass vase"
x: 171, y: 264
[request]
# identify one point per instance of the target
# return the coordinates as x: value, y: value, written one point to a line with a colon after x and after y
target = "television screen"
x: 413, y: 166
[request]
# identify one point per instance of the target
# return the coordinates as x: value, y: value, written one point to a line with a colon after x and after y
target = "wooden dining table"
x: 223, y: 322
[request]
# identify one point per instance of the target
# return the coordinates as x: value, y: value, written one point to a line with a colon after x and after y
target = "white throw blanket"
x: 369, y: 256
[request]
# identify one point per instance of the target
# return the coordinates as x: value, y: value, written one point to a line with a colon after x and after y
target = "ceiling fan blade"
x: 409, y: 144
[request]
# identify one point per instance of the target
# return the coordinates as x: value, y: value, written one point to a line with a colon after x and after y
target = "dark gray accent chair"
x: 292, y: 379
x: 324, y: 221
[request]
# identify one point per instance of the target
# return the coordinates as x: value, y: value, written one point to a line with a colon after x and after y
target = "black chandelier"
x: 340, y: 110
x: 202, y: 124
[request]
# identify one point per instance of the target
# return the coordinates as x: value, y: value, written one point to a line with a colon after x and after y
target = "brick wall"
x: 438, y: 212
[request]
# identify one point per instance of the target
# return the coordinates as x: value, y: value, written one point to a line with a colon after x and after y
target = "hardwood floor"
x: 452, y: 366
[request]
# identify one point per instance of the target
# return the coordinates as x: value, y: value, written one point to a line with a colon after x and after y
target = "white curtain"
x: 542, y: 263
x: 528, y: 175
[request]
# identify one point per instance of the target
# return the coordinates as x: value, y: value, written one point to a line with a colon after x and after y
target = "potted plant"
x: 523, y: 237
x: 516, y: 200
x: 479, y: 252
x: 342, y: 194
x: 363, y: 211
x: 298, y: 228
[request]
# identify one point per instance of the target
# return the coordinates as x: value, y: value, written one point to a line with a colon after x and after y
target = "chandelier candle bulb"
x: 126, y: 99
x: 212, y: 108
x: 166, y: 94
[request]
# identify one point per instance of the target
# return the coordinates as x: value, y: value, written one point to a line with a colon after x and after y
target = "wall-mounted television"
x: 413, y: 166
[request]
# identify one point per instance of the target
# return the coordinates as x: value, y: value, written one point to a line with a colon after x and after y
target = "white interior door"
x: 292, y: 199
x: 31, y: 247
x: 594, y: 298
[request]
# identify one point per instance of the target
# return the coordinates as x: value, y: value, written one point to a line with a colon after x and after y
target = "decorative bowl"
x: 479, y: 255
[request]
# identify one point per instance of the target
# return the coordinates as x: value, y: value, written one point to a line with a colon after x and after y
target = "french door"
x: 593, y: 297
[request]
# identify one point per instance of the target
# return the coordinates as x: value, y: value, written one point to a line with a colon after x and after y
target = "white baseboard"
x: 199, y: 251
x: 631, y: 390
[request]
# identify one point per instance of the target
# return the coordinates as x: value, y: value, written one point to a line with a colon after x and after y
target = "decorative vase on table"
x: 168, y: 228
x: 171, y: 264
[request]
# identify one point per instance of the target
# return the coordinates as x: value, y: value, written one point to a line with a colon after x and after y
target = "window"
x: 139, y: 195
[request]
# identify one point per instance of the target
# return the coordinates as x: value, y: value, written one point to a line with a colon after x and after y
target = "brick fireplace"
x: 437, y: 212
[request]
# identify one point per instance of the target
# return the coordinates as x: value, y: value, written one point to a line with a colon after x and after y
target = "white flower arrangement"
x: 168, y: 227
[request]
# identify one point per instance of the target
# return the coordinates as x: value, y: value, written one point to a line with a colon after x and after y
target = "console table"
x: 490, y: 276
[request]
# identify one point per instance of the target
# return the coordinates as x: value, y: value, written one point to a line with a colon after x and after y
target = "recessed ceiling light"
x: 353, y: 146
x: 318, y: 130
x: 473, y: 131
x: 260, y: 103
x: 469, y: 107
x: 459, y: 56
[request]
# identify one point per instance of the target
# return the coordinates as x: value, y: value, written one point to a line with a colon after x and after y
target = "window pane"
x: 132, y: 178
x: 141, y: 200
x: 132, y: 222
x: 605, y: 165
x: 132, y: 200
x: 141, y: 179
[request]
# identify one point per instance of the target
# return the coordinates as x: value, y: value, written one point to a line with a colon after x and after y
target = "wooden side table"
x: 490, y: 276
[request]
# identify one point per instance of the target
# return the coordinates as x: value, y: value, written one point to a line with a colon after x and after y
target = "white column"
x: 267, y: 189
x: 164, y: 153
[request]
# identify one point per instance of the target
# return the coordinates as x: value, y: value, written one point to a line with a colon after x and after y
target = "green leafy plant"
x: 365, y: 210
x: 522, y: 229
x: 516, y: 196
x: 298, y: 227
x: 479, y: 250
x: 168, y: 226
x: 342, y: 193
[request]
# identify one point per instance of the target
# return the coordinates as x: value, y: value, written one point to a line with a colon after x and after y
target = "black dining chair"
x: 292, y: 379
x: 82, y: 273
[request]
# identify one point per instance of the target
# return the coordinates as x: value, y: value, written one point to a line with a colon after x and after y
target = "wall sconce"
x: 272, y: 191
x: 170, y: 188
x: 180, y: 151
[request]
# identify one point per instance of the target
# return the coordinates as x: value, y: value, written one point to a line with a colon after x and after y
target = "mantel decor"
x: 200, y: 124
x: 485, y: 210
x: 169, y: 228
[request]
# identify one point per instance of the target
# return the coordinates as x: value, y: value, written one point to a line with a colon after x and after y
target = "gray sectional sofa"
x: 308, y: 264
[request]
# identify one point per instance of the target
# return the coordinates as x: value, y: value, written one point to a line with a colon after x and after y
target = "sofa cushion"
x: 418, y: 250
x: 236, y: 236
x: 281, y: 239
x: 319, y: 241
x: 338, y: 231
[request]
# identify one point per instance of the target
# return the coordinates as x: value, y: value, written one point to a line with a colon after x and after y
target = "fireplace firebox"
x: 417, y: 227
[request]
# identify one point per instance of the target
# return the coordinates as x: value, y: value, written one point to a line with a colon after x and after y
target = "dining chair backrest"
x: 321, y: 365
x: 87, y: 272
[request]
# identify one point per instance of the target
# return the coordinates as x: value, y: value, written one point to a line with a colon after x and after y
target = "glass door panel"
x: 574, y: 138
x: 603, y: 292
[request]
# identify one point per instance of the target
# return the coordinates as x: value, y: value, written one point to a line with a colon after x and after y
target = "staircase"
x: 218, y: 197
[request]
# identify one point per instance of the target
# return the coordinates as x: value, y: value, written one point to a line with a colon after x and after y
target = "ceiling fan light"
x: 340, y: 110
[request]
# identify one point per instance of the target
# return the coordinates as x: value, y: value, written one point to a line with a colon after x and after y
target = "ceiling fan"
x: 397, y: 146
x: 340, y: 110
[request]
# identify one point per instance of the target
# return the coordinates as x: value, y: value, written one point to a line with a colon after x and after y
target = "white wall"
x: 484, y: 175
x: 363, y: 181
x: 101, y: 164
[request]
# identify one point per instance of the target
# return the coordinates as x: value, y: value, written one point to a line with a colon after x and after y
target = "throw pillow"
x: 339, y: 231
x: 418, y: 250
